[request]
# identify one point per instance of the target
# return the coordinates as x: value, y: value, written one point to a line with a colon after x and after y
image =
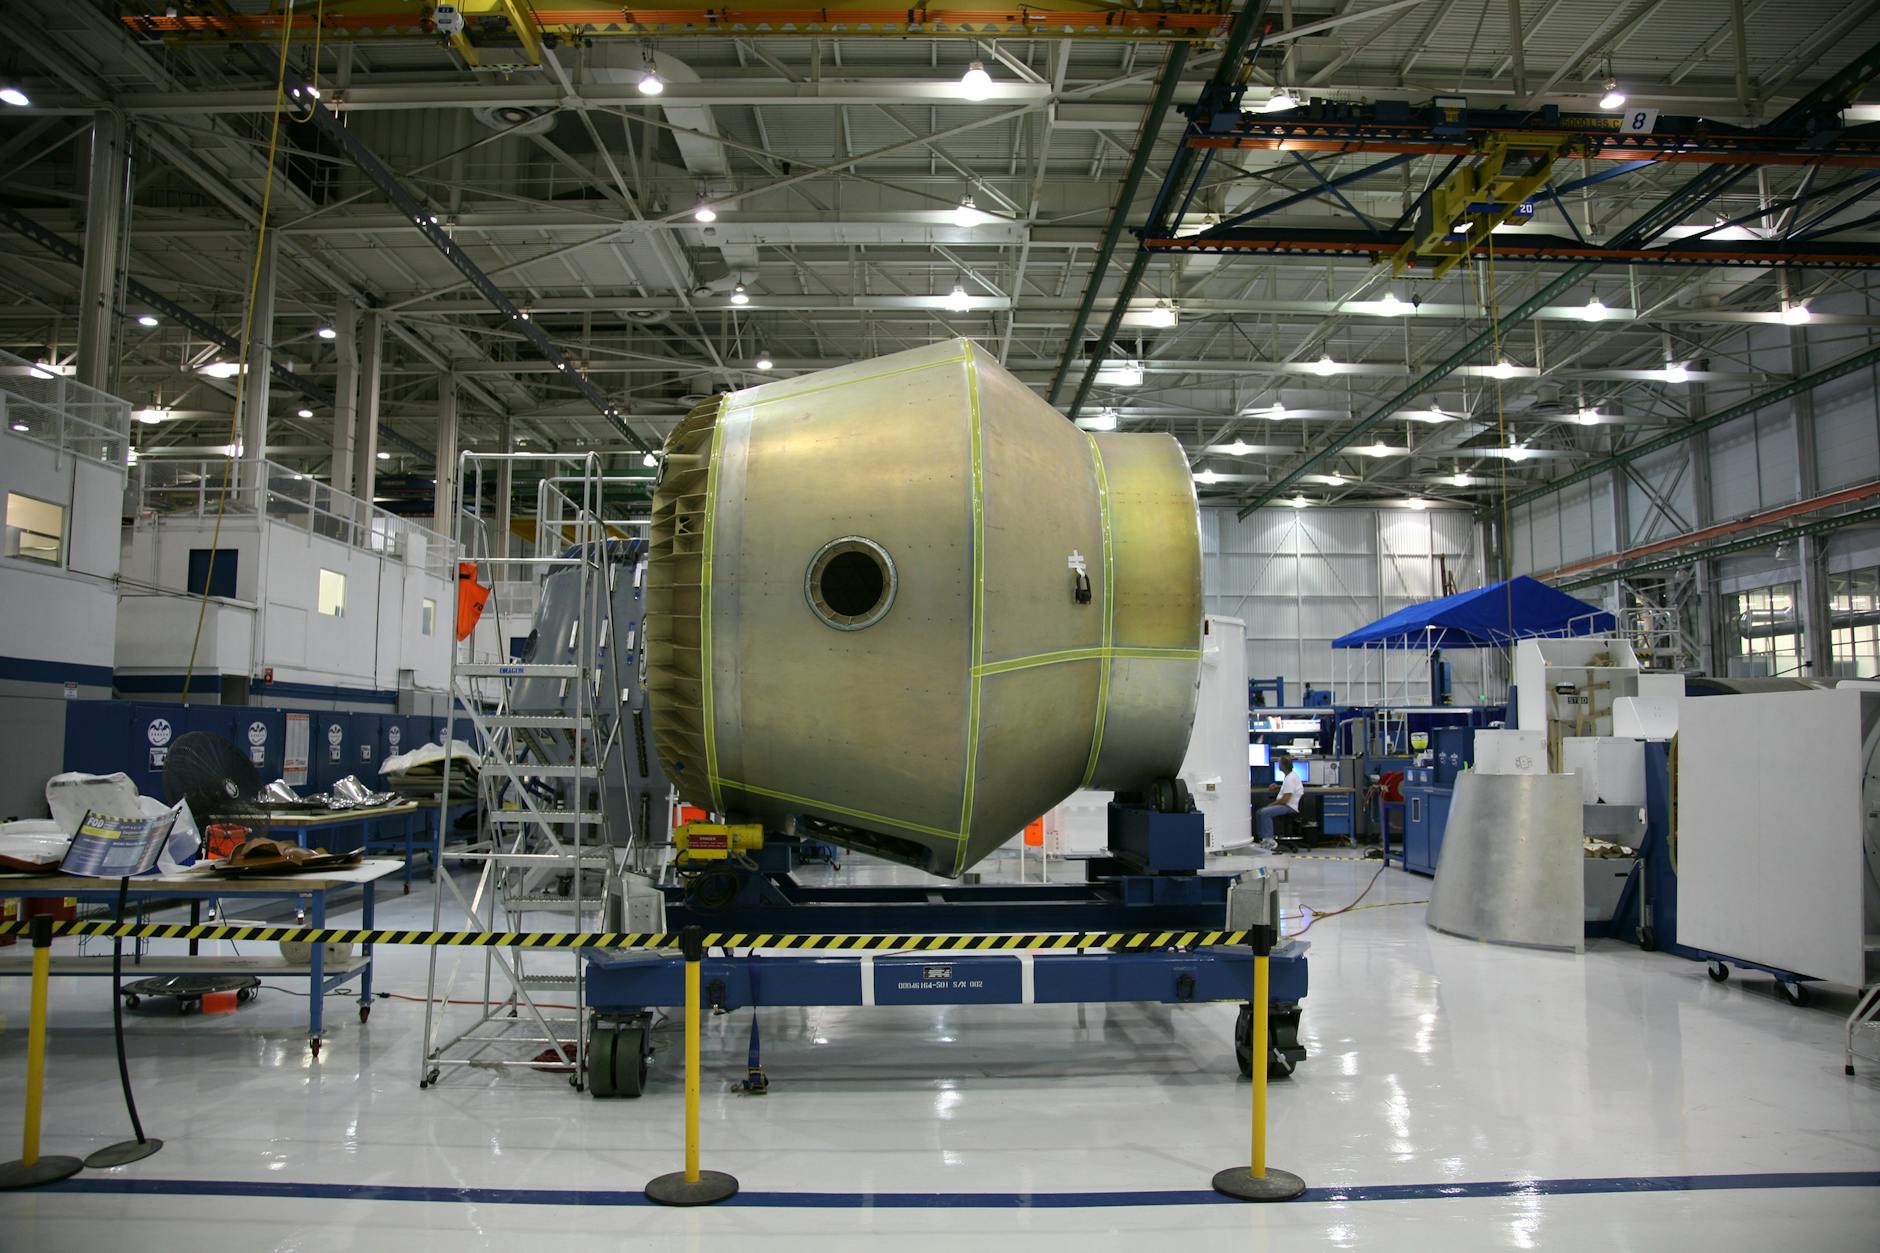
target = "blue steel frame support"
x: 1332, y: 191
x: 628, y: 982
x: 1287, y: 202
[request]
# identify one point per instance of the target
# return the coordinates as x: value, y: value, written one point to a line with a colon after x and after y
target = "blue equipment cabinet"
x: 259, y: 732
x: 1454, y: 748
x: 1426, y: 815
x: 1338, y: 814
x: 330, y: 750
x: 104, y: 736
x: 368, y: 748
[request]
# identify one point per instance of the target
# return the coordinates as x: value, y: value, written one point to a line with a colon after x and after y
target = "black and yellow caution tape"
x: 617, y: 940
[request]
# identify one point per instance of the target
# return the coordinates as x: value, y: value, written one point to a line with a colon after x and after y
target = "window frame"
x: 320, y: 596
x: 57, y: 560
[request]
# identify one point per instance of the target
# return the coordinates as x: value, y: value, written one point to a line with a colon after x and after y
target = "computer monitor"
x: 1259, y: 755
x: 1304, y: 768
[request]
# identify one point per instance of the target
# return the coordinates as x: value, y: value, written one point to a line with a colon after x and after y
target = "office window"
x: 35, y: 529
x: 214, y: 570
x: 1768, y: 633
x: 332, y: 594
x: 1854, y: 623
x: 427, y: 616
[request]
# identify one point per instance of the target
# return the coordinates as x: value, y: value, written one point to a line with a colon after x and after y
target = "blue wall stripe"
x: 145, y: 684
x: 1617, y: 1185
x: 34, y: 670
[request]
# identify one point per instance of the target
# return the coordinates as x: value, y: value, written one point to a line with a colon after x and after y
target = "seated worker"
x: 1291, y: 789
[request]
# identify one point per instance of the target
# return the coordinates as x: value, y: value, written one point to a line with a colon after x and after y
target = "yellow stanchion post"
x: 1258, y: 1181
x: 31, y: 1170
x: 692, y: 1186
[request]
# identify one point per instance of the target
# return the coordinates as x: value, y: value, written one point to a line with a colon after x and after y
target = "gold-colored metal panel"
x: 1155, y: 669
x: 1041, y: 511
x: 1035, y: 727
x: 868, y: 723
x: 929, y: 726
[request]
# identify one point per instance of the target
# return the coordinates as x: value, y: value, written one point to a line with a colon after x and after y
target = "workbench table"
x: 198, y: 886
x: 406, y: 825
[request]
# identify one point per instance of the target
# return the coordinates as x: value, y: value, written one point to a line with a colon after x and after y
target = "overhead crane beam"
x: 1824, y: 101
x: 492, y: 21
x: 1223, y: 89
x: 1395, y: 126
x: 1528, y: 247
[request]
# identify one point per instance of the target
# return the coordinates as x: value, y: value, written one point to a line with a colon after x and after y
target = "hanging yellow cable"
x: 313, y: 72
x: 231, y: 449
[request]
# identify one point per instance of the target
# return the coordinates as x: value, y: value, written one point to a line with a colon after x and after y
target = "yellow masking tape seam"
x: 1088, y: 654
x: 866, y: 378
x: 978, y: 647
x: 834, y: 809
x: 1109, y: 613
x: 708, y: 712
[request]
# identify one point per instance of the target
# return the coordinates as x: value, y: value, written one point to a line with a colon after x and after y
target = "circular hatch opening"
x: 850, y: 583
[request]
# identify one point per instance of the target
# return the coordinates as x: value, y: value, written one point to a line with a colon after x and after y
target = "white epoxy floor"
x: 1433, y: 1061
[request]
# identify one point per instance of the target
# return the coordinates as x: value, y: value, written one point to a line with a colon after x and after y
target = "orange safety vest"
x: 470, y: 598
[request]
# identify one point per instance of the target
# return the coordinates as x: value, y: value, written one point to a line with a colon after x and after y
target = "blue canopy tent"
x: 1488, y: 617
x: 1492, y: 617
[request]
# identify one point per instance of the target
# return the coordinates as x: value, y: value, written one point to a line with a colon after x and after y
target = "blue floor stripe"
x: 111, y: 1185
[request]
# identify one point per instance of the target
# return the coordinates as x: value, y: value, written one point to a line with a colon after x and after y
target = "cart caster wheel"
x: 315, y: 1046
x: 1278, y: 1065
x: 365, y: 1012
x: 1648, y: 939
x: 1847, y: 1070
x: 617, y: 1061
x: 429, y: 1079
x: 244, y: 995
x: 183, y: 1007
x: 1718, y: 972
x: 1794, y: 993
x: 1243, y: 1043
x: 133, y: 1001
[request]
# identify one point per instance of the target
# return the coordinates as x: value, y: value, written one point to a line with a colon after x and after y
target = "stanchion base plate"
x: 16, y: 1174
x: 1277, y: 1185
x: 123, y: 1153
x: 711, y: 1187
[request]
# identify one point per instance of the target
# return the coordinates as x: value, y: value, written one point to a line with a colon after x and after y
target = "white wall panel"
x: 1301, y: 578
x: 1847, y: 443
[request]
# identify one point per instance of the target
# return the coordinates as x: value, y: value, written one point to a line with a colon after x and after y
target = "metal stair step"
x: 516, y: 670
x: 522, y: 902
x: 542, y: 815
x: 565, y: 721
x: 524, y: 769
x: 549, y: 981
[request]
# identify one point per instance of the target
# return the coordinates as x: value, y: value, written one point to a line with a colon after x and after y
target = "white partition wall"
x: 317, y: 597
x: 1215, y: 768
x: 1771, y: 819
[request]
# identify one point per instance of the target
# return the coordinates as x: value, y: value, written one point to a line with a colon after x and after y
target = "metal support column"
x: 260, y: 363
x: 104, y: 226
x: 365, y: 470
x: 444, y: 506
x: 345, y: 390
x: 1810, y: 550
x: 505, y: 490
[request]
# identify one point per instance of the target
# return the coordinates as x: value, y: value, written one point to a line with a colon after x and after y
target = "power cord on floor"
x: 1307, y: 912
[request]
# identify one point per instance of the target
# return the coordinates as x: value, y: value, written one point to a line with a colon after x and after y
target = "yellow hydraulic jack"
x: 716, y: 841
x: 1456, y: 215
